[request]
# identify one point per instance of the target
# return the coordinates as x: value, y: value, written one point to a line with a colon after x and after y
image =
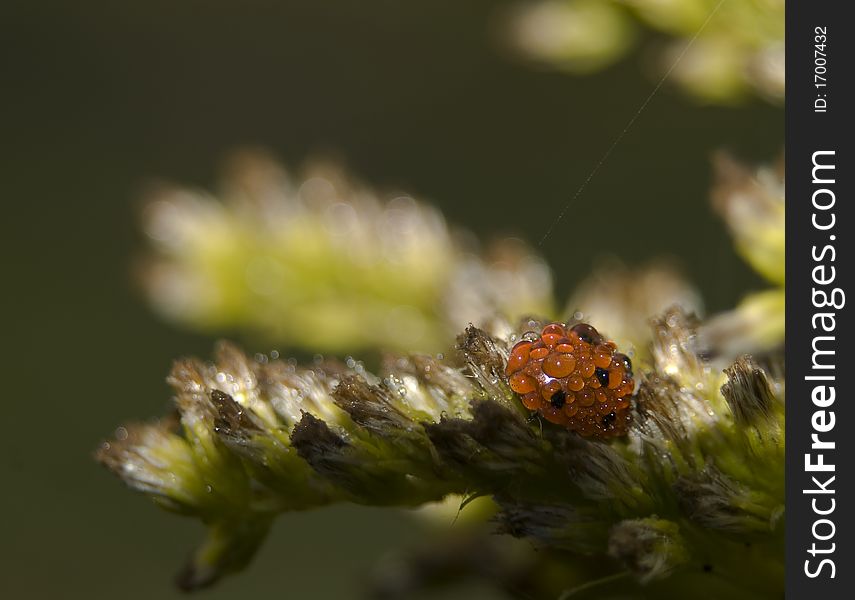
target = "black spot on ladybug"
x: 586, y: 333
x: 627, y: 364
x: 609, y: 420
x: 558, y: 399
x: 602, y: 376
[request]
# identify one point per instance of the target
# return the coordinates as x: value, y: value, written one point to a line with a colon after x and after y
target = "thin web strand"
x: 631, y: 122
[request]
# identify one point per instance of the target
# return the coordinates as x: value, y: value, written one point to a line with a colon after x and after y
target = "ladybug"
x: 573, y: 377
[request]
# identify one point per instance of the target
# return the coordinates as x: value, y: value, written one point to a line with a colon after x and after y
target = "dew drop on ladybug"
x: 574, y: 377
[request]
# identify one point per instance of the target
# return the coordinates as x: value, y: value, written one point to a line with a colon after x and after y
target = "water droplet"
x: 209, y: 488
x: 121, y: 433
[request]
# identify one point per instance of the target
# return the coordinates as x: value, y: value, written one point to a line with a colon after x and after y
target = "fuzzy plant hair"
x: 695, y: 487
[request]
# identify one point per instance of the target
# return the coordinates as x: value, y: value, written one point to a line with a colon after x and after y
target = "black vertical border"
x: 808, y: 131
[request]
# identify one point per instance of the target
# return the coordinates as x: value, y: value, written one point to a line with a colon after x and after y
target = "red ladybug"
x: 574, y: 377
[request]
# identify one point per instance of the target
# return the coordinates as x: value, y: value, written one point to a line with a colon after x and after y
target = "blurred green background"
x: 100, y: 97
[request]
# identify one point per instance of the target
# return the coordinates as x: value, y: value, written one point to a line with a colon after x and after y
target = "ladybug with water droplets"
x: 574, y: 377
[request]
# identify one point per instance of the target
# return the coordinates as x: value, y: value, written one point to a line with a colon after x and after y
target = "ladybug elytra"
x: 573, y: 377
